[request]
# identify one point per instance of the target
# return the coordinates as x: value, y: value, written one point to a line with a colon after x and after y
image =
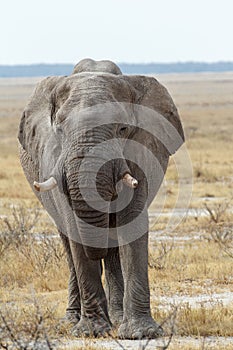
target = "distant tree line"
x: 178, y: 67
x: 36, y: 70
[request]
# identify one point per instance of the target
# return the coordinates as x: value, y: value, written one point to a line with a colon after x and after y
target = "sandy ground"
x: 157, y: 344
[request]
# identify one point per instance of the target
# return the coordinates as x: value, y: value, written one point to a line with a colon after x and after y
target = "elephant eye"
x: 123, y: 130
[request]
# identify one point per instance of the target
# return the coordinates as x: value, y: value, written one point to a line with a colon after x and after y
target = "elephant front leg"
x: 94, y: 319
x: 114, y: 285
x: 137, y: 321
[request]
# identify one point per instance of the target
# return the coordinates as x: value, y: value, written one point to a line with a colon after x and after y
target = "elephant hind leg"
x: 73, y: 310
x: 114, y: 285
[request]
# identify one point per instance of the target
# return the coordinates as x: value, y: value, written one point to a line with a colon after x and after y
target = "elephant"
x: 89, y: 142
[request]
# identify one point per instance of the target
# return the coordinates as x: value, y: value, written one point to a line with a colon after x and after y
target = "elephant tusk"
x: 130, y: 181
x: 46, y: 185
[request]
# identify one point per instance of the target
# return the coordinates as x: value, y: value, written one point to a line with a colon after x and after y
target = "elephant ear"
x: 35, y: 127
x: 158, y: 134
x: 156, y: 113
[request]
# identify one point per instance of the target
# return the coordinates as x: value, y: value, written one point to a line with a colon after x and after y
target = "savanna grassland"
x: 190, y: 264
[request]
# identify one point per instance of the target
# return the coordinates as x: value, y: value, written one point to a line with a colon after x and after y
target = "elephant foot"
x: 116, y: 317
x: 71, y: 317
x: 140, y: 328
x: 91, y: 327
x: 67, y: 322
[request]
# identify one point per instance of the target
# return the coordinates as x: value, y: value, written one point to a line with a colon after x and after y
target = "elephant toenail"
x: 151, y: 332
x: 160, y: 332
x: 137, y: 335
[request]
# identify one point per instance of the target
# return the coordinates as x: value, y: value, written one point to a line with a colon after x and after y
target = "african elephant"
x: 88, y: 143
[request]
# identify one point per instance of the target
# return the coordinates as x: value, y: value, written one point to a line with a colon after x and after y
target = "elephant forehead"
x: 97, y: 87
x: 86, y: 96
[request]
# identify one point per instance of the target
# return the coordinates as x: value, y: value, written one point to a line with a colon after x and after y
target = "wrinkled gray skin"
x: 126, y: 299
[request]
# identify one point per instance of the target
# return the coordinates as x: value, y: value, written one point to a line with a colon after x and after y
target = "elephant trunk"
x: 91, y: 188
x: 93, y: 230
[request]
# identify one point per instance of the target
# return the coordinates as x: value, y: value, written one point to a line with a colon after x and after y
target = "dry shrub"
x: 159, y: 255
x: 27, y: 327
x: 29, y: 256
x: 223, y: 236
x: 220, y: 225
x: 218, y: 212
x: 15, y: 231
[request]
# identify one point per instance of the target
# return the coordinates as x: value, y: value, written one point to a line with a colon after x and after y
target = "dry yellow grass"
x: 185, y: 267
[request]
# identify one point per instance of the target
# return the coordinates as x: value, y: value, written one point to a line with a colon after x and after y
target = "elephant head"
x: 82, y: 133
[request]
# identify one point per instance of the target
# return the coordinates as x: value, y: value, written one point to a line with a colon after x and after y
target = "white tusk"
x: 46, y: 185
x: 130, y: 181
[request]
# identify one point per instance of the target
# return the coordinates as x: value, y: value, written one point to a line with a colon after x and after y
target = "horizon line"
x: 120, y: 63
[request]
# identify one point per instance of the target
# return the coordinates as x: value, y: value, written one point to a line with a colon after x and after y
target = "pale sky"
x: 53, y: 31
